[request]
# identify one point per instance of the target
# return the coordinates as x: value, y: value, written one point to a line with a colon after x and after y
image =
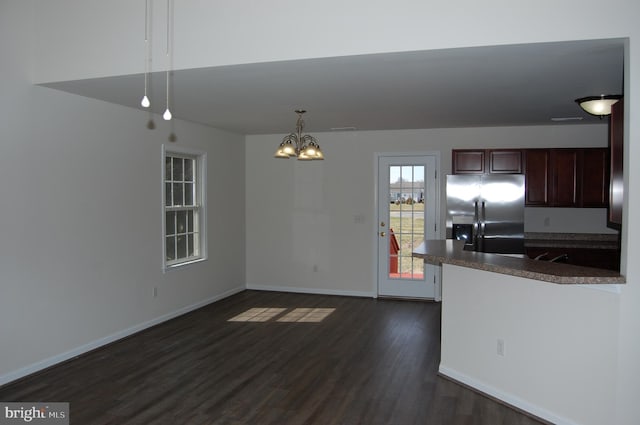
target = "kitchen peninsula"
x: 451, y: 252
x: 530, y: 333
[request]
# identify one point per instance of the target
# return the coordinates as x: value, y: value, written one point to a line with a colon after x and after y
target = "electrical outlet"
x: 315, y: 268
x: 547, y: 222
x: 500, y: 347
x: 155, y: 292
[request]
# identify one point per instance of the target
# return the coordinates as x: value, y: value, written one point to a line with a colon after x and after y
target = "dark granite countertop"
x: 452, y: 252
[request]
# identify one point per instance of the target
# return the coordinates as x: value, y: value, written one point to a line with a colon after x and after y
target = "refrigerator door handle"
x: 483, y: 220
x: 476, y: 219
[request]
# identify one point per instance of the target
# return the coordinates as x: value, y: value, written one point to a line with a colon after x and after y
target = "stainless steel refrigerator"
x: 487, y: 212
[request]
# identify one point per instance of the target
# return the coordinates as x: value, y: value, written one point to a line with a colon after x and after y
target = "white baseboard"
x: 43, y: 364
x: 318, y: 291
x: 507, y: 398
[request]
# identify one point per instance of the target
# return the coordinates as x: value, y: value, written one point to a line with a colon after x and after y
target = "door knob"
x: 382, y: 234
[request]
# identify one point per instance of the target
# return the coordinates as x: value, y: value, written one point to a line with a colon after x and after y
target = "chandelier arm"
x: 308, y: 138
x: 290, y: 138
x: 289, y: 144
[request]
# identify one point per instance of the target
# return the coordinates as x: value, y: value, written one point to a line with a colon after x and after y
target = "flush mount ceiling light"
x: 598, y: 105
x: 305, y: 147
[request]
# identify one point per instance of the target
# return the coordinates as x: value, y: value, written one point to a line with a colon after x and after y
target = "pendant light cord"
x: 168, y: 59
x: 167, y: 115
x: 168, y: 24
x: 145, y: 100
x: 146, y: 45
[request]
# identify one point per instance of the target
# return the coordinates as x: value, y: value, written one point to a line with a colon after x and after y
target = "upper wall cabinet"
x: 566, y: 177
x: 574, y: 178
x: 579, y: 177
x: 536, y: 171
x: 594, y: 189
x: 501, y: 161
x: 466, y: 161
x: 553, y: 177
x: 564, y: 164
x: 481, y: 161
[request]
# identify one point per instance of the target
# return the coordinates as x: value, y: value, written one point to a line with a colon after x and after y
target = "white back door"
x: 408, y: 207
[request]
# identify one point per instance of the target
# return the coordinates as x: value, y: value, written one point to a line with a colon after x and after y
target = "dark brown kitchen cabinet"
x: 503, y: 161
x: 563, y: 164
x: 586, y: 257
x: 466, y: 161
x: 594, y: 181
x: 489, y: 161
x: 536, y: 177
x: 574, y: 178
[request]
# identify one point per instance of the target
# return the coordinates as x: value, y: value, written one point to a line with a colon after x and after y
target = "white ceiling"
x: 471, y: 87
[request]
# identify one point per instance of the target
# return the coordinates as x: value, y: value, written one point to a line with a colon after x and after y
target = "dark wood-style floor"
x: 369, y: 362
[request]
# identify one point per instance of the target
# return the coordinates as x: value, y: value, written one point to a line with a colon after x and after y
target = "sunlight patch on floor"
x: 306, y: 315
x: 257, y: 315
x: 264, y: 314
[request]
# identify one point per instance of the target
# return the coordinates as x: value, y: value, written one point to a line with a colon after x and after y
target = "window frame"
x: 200, y: 208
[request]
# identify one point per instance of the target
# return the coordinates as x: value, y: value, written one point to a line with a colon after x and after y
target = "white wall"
x: 80, y: 250
x: 628, y: 377
x: 305, y: 214
x: 556, y: 362
x: 83, y: 44
x: 566, y: 220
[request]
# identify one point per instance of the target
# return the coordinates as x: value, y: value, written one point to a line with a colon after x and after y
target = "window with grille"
x: 183, y: 207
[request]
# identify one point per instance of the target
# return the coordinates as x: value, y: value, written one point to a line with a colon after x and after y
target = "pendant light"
x: 167, y: 113
x: 145, y: 100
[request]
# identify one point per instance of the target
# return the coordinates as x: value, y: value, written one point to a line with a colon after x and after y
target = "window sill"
x: 172, y: 267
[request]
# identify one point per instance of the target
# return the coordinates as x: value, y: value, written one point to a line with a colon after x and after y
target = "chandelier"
x: 304, y: 147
